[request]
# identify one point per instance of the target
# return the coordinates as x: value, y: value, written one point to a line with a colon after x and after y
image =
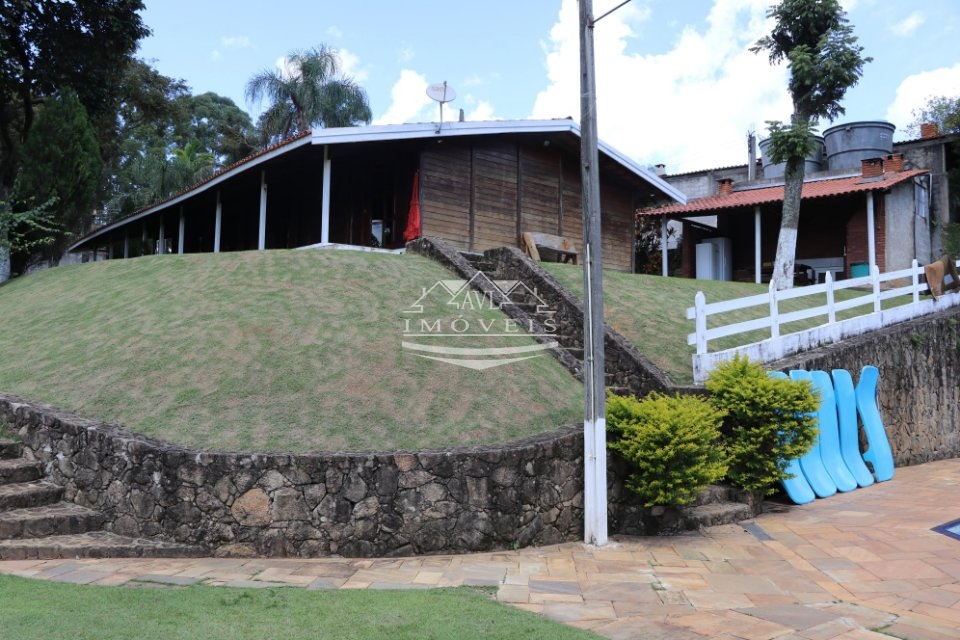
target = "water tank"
x: 848, y: 144
x: 814, y: 161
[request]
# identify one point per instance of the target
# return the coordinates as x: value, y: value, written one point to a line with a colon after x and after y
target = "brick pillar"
x: 871, y: 167
x: 929, y: 130
x: 893, y: 163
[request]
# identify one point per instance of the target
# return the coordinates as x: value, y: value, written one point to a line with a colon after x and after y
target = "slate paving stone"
x: 829, y: 572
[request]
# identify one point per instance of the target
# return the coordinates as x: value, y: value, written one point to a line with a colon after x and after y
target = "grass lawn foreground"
x: 39, y: 610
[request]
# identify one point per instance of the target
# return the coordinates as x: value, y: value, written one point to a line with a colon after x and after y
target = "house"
x: 480, y: 185
x: 903, y: 188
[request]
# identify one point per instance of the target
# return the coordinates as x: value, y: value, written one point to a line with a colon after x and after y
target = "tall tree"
x: 49, y: 45
x: 60, y: 164
x: 309, y: 92
x: 824, y: 59
x: 944, y: 111
x: 220, y: 127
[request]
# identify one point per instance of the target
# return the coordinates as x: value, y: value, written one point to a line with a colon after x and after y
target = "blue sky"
x: 676, y: 83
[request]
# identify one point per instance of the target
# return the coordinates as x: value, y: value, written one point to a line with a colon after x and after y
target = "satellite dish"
x: 442, y: 93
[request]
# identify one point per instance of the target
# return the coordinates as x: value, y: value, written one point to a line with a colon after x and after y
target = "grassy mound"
x: 272, y: 351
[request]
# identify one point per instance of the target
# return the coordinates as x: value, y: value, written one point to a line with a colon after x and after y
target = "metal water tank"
x: 848, y: 144
x: 813, y: 162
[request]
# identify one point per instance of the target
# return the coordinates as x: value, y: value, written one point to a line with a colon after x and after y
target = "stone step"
x: 61, y: 518
x: 10, y: 448
x: 17, y: 470
x: 29, y: 494
x: 714, y: 513
x: 95, y: 544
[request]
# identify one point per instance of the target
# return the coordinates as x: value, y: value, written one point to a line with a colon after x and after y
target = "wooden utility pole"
x: 595, y: 410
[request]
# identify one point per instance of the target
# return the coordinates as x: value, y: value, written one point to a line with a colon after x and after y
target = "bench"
x: 534, y: 241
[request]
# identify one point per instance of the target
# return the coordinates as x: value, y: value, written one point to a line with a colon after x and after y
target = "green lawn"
x: 272, y: 351
x: 37, y: 610
x: 650, y: 311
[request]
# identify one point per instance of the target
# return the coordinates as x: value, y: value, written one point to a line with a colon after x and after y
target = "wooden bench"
x: 534, y: 241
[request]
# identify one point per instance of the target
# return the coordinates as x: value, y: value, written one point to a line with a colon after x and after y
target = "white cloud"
x: 906, y: 27
x: 334, y: 32
x: 409, y: 100
x: 916, y: 90
x: 406, y: 54
x: 483, y: 110
x: 690, y: 107
x: 234, y: 42
x: 350, y: 66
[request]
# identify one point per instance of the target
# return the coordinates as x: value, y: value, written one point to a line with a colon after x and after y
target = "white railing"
x: 780, y: 345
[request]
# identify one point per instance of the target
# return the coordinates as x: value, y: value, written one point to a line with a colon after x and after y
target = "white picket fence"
x: 780, y: 345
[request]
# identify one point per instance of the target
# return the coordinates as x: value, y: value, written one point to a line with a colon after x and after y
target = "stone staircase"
x: 35, y: 522
x: 715, y: 505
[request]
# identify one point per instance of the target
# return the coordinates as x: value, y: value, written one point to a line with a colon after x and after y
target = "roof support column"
x: 663, y: 246
x: 143, y: 238
x: 126, y: 244
x: 871, y: 241
x: 262, y: 237
x: 180, y: 233
x: 325, y: 200
x: 216, y: 226
x: 162, y: 242
x: 757, y: 264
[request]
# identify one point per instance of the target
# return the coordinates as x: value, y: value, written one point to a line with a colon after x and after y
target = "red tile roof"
x: 764, y: 195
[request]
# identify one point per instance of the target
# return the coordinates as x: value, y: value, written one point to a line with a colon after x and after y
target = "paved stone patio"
x: 856, y: 566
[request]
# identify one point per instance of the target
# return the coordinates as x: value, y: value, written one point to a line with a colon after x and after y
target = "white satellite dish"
x: 442, y: 93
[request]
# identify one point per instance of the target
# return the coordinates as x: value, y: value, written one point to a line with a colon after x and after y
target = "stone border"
x: 353, y: 504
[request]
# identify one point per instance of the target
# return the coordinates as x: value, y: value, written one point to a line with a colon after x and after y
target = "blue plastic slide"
x: 830, y: 434
x: 878, y: 452
x: 849, y: 427
x: 797, y: 487
x: 811, y: 462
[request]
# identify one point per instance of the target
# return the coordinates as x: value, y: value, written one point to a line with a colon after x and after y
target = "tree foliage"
x: 48, y: 45
x: 672, y: 442
x: 168, y: 139
x: 767, y: 422
x: 816, y: 40
x: 943, y: 111
x: 60, y: 162
x: 311, y: 91
x: 46, y: 48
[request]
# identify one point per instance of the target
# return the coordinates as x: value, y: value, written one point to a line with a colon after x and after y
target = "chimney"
x: 929, y: 130
x: 893, y: 163
x: 725, y: 186
x: 871, y: 167
x: 660, y: 169
x: 751, y: 156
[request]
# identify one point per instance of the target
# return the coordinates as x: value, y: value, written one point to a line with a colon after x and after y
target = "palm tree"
x: 310, y: 92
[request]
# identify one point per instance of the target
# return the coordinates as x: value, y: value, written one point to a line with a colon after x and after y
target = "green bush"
x: 767, y: 422
x: 672, y: 442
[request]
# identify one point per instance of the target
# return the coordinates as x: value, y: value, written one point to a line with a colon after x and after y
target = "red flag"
x: 413, y: 215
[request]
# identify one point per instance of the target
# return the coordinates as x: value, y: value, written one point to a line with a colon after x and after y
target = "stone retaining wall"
x: 919, y: 363
x: 352, y: 504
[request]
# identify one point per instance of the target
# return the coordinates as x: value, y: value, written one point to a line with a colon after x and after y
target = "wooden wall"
x: 481, y: 194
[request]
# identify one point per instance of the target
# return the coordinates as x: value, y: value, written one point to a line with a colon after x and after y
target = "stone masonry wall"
x: 919, y: 363
x: 351, y: 504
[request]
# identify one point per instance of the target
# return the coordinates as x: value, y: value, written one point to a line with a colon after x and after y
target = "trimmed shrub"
x: 767, y: 422
x: 672, y: 443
